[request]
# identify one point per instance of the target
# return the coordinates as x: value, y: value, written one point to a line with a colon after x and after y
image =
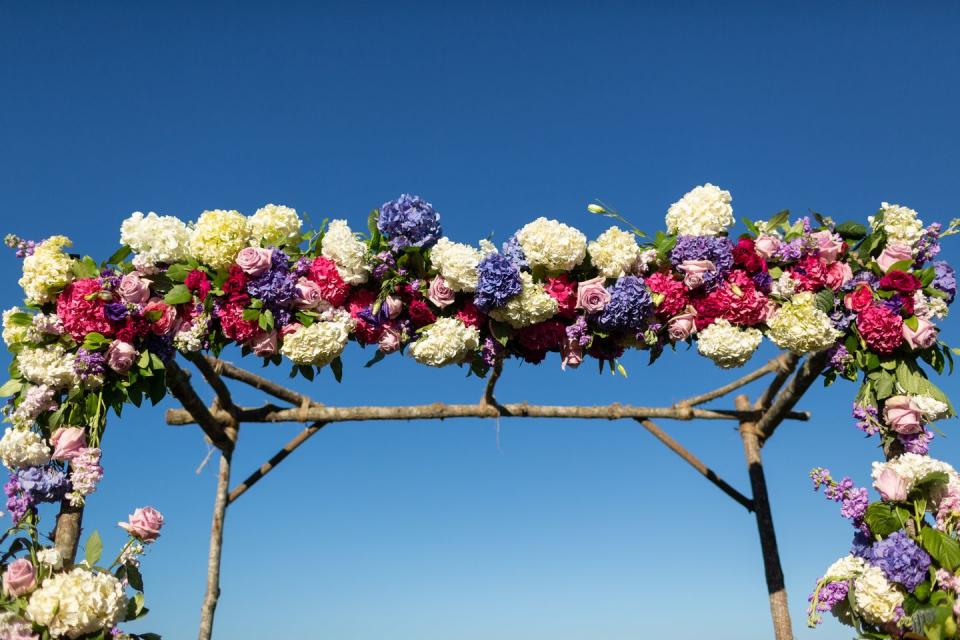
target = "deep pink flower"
x: 324, y: 272
x: 470, y: 315
x: 673, y: 292
x: 80, y: 307
x: 881, y: 328
x: 564, y: 291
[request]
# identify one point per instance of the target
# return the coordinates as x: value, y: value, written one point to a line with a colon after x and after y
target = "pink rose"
x: 682, y: 326
x: 264, y: 344
x: 838, y: 274
x: 121, y: 356
x: 923, y: 337
x: 253, y: 261
x: 693, y: 271
x: 19, y: 578
x: 893, y: 253
x: 891, y: 486
x: 133, y: 289
x: 440, y: 293
x: 592, y: 296
x: 309, y: 294
x: 393, y: 305
x: 830, y: 245
x: 161, y: 316
x: 767, y: 246
x: 389, y: 339
x: 286, y: 330
x: 902, y: 415
x: 572, y: 354
x: 144, y: 524
x: 67, y: 443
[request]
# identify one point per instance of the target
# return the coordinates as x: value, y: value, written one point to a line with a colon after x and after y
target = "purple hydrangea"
x: 629, y: 307
x: 498, y: 280
x: 717, y: 250
x: 901, y: 559
x: 42, y: 484
x: 276, y: 286
x: 945, y: 280
x: 88, y: 363
x: 866, y: 277
x: 514, y: 252
x: 862, y: 546
x: 841, y: 319
x: 409, y: 221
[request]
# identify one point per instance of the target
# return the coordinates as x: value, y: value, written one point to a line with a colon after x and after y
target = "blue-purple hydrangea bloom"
x: 901, y: 559
x: 42, y: 484
x: 717, y: 250
x: 629, y: 307
x: 498, y: 280
x: 514, y: 252
x: 409, y: 221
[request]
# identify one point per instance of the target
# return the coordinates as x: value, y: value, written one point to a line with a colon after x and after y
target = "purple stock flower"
x: 854, y: 505
x: 24, y: 247
x: 18, y: 503
x: 717, y: 250
x: 918, y: 443
x: 409, y: 221
x: 901, y: 559
x: 498, y: 280
x: 578, y: 331
x: 945, y: 280
x: 867, y: 419
x: 840, y: 358
x: 790, y: 251
x: 491, y: 351
x: 928, y: 247
x: 829, y: 596
x: 629, y: 307
x: 88, y: 363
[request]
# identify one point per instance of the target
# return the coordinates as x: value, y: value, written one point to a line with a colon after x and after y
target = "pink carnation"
x: 80, y: 307
x: 361, y: 300
x: 324, y: 272
x: 881, y: 328
x: 810, y: 272
x: 674, y: 293
x: 233, y: 324
x: 471, y: 316
x: 564, y: 291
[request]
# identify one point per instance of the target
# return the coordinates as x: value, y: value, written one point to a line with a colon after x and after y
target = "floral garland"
x: 93, y: 337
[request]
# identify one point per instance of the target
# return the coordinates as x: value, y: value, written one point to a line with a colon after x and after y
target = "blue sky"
x: 497, y: 114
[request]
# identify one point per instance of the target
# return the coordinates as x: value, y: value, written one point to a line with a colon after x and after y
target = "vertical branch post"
x: 209, y: 608
x: 66, y: 536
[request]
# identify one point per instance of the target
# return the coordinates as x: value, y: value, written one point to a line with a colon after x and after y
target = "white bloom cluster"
x: 929, y: 307
x: 552, y: 245
x: 703, y: 211
x: 532, y: 305
x: 77, y: 602
x: 23, y: 448
x: 728, y: 346
x: 900, y: 223
x: 912, y: 467
x: 457, y: 263
x: 47, y: 270
x: 50, y: 557
x: 801, y: 327
x: 52, y: 366
x: 783, y: 287
x: 36, y: 400
x: 845, y: 568
x: 931, y: 408
x: 190, y: 339
x: 446, y: 341
x: 646, y: 261
x: 874, y: 597
x: 275, y: 226
x: 347, y: 251
x: 614, y: 252
x: 14, y: 332
x: 219, y: 236
x: 319, y: 344
x: 155, y: 239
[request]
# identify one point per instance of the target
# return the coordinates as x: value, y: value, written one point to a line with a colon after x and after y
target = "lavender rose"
x: 440, y: 293
x: 19, y: 578
x: 121, y: 356
x: 393, y: 306
x: 923, y: 337
x: 893, y: 253
x: 264, y: 344
x: 309, y: 294
x: 144, y: 524
x: 829, y: 245
x: 694, y: 271
x: 902, y: 415
x: 891, y: 486
x: 767, y: 246
x: 592, y: 296
x: 133, y: 289
x: 254, y: 261
x: 682, y: 326
x: 389, y: 339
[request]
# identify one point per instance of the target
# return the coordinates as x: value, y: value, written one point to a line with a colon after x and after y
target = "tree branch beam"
x: 790, y: 361
x: 178, y: 381
x: 780, y: 409
x: 260, y: 383
x: 277, y: 458
x: 776, y: 364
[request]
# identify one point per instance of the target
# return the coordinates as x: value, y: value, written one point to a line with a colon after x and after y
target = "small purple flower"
x: 928, y: 247
x: 790, y: 251
x: 945, y: 280
x: 491, y: 351
x: 840, y: 358
x: 763, y: 280
x: 24, y: 247
x: 867, y: 419
x: 918, y: 443
x: 18, y: 503
x: 115, y: 311
x: 829, y: 596
x: 866, y: 277
x: 88, y: 363
x: 855, y: 503
x: 409, y: 221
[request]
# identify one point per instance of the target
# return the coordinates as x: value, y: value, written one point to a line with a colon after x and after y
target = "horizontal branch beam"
x: 234, y: 372
x: 277, y: 458
x: 776, y: 364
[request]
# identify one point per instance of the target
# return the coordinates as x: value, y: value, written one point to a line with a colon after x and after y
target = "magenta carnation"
x: 333, y: 289
x: 881, y: 328
x: 81, y: 308
x: 673, y: 291
x: 233, y: 324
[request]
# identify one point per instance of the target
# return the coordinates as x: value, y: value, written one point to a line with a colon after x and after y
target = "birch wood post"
x: 209, y: 608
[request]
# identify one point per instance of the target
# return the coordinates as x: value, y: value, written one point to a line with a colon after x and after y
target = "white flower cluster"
x: 784, y: 287
x: 52, y: 366
x: 14, y: 627
x: 319, y: 344
x: 275, y: 226
x: 552, y: 245
x: 23, y: 448
x: 36, y: 400
x: 13, y: 332
x: 912, y: 468
x: 703, y: 211
x: 50, y: 557
x: 900, y: 223
x: 614, y: 253
x: 801, y: 327
x: 155, y: 239
x: 845, y: 568
x: 190, y: 339
x: 728, y: 346
x: 219, y: 236
x: 47, y: 270
x: 77, y: 602
x: 457, y: 263
x: 929, y: 307
x: 874, y: 597
x: 532, y: 305
x: 446, y: 341
x: 348, y: 252
x: 931, y: 408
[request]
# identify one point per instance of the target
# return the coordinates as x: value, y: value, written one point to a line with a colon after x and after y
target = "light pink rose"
x: 264, y: 344
x: 838, y: 274
x: 393, y: 305
x: 121, y: 356
x: 891, y: 486
x: 144, y: 524
x: 67, y: 443
x: 440, y: 293
x: 682, y: 326
x: 166, y: 316
x: 389, y: 339
x: 254, y: 260
x: 829, y: 244
x: 902, y: 415
x: 572, y: 354
x: 767, y: 246
x: 289, y: 328
x: 19, y: 578
x: 592, y: 296
x: 923, y: 337
x: 309, y: 294
x: 133, y: 289
x: 893, y: 253
x: 693, y: 271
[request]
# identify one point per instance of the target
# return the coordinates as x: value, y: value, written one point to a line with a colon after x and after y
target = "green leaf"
x: 93, y: 549
x: 179, y: 272
x: 377, y: 357
x: 825, y: 300
x: 884, y: 518
x: 85, y: 268
x: 923, y: 486
x: 779, y: 219
x: 10, y: 387
x: 134, y: 577
x: 337, y: 368
x: 119, y: 255
x: 179, y: 294
x: 851, y: 230
x: 251, y: 315
x: 941, y: 547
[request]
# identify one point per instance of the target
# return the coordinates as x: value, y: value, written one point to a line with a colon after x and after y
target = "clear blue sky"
x: 497, y: 114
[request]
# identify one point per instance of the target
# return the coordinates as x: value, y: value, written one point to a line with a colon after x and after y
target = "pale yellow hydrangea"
x: 801, y: 327
x: 846, y: 568
x: 614, y: 252
x: 155, y: 239
x: 901, y: 224
x: 728, y: 346
x: 532, y: 305
x: 552, y: 245
x: 348, y: 252
x: 318, y: 345
x: 47, y: 271
x: 77, y: 602
x: 457, y: 263
x: 703, y: 211
x: 874, y: 597
x: 447, y: 341
x: 219, y: 236
x: 23, y: 448
x: 275, y: 226
x: 51, y: 365
x: 14, y: 333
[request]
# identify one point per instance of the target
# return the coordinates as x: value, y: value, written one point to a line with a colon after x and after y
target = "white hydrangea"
x: 155, y: 239
x: 319, y: 344
x: 77, y: 602
x: 552, y: 245
x: 219, y: 236
x: 532, y: 305
x: 784, y: 287
x: 23, y: 448
x: 901, y: 224
x: 845, y: 568
x: 457, y: 263
x: 14, y: 333
x: 646, y: 260
x: 931, y: 408
x: 51, y: 365
x: 47, y: 271
x: 874, y: 597
x: 275, y: 226
x: 703, y: 211
x: 801, y: 327
x: 912, y: 467
x: 50, y: 557
x: 348, y: 252
x: 614, y: 253
x: 446, y: 341
x: 728, y: 346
